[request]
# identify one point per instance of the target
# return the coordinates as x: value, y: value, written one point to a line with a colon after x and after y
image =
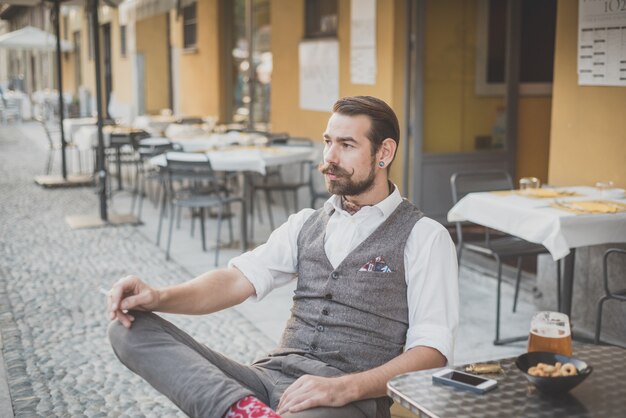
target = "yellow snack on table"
x: 546, y: 193
x: 591, y: 206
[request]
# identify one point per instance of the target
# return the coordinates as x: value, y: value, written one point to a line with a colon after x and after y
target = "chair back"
x: 52, y: 135
x: 465, y: 182
x: 153, y: 146
x: 191, y: 164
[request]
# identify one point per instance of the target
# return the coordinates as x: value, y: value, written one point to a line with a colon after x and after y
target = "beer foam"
x: 551, y: 332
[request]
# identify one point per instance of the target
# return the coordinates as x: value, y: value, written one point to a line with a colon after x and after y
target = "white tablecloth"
x: 86, y: 136
x: 72, y: 125
x: 220, y: 140
x: 248, y: 159
x: 534, y: 220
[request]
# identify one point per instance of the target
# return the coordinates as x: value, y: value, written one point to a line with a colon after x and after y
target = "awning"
x: 142, y: 9
x: 30, y: 37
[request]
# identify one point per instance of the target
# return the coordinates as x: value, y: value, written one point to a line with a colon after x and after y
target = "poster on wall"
x: 363, y: 42
x: 319, y: 74
x: 602, y: 43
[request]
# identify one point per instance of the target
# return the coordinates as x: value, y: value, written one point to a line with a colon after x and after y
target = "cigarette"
x: 107, y: 293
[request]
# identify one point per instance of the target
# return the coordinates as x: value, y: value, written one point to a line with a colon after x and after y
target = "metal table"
x: 602, y: 394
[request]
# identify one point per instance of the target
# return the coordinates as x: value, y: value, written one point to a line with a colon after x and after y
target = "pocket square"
x: 376, y: 264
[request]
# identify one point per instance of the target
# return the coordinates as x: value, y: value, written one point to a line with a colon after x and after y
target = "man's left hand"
x: 312, y: 391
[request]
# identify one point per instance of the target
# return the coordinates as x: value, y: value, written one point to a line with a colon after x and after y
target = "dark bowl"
x: 552, y: 385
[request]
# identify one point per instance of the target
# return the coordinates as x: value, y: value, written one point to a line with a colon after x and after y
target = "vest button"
x: 313, y: 347
x: 328, y: 296
x: 335, y: 275
x: 324, y: 311
x: 320, y: 328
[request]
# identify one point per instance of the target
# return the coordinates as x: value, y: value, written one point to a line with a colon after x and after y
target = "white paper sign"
x: 363, y: 42
x: 319, y: 74
x: 602, y: 43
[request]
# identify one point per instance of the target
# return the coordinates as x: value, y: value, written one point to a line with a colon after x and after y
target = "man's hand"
x: 130, y: 293
x: 312, y: 391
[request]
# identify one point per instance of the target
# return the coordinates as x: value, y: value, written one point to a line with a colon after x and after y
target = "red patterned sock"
x: 250, y: 407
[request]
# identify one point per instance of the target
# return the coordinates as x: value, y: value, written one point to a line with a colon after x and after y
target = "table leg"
x: 568, y: 282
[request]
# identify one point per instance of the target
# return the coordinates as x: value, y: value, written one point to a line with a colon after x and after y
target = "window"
x: 77, y: 57
x: 65, y: 26
x: 123, y: 40
x: 89, y: 37
x: 320, y: 18
x: 538, y: 29
x: 189, y: 26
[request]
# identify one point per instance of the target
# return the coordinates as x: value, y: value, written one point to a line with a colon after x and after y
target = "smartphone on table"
x: 464, y: 380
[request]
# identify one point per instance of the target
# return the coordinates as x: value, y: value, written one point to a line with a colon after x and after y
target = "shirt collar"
x: 386, y: 206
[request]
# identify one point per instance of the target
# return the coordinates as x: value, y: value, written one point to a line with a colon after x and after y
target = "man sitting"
x: 376, y: 296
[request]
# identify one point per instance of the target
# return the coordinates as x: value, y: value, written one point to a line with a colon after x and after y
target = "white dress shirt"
x: 430, y: 264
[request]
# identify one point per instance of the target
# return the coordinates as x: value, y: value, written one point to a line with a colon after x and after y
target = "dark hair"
x: 384, y: 123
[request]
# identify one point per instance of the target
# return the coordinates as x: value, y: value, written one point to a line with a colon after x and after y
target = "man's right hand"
x: 130, y: 293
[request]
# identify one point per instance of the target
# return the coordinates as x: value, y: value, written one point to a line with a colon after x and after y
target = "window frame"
x: 190, y: 21
x: 123, y: 41
x: 313, y: 5
x: 483, y: 87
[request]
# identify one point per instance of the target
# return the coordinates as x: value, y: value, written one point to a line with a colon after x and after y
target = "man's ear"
x: 386, y: 152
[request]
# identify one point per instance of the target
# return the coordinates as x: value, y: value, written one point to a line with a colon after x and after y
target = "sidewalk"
x: 58, y: 361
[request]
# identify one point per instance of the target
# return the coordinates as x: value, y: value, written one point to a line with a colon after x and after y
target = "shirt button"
x: 328, y: 296
x: 320, y: 328
x: 324, y: 311
x: 335, y: 275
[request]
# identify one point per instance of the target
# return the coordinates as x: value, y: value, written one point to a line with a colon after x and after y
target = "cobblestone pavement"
x: 58, y: 360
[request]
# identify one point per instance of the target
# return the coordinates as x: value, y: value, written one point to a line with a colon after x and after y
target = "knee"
x: 123, y: 340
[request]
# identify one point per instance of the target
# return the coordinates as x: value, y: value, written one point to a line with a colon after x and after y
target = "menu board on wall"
x: 363, y: 42
x: 602, y: 43
x: 319, y: 74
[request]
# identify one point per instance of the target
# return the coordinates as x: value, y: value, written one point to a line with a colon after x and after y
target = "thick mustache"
x: 334, y: 169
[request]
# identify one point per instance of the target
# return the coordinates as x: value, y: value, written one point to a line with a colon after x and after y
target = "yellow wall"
x: 122, y: 70
x: 287, y: 19
x: 588, y: 138
x: 151, y: 41
x: 201, y: 88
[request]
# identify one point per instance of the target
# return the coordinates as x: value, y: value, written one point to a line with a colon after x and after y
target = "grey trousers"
x: 204, y: 383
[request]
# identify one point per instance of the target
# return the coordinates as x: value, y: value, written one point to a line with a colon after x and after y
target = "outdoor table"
x: 219, y: 140
x: 154, y: 123
x: 247, y: 160
x: 535, y: 220
x: 600, y: 395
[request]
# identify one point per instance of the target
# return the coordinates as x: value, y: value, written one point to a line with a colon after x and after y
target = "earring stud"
x: 381, y: 163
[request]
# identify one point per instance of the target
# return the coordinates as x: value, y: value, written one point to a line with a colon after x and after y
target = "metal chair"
x: 608, y: 294
x: 501, y: 246
x: 146, y: 149
x: 53, y: 137
x: 192, y: 184
x: 273, y: 181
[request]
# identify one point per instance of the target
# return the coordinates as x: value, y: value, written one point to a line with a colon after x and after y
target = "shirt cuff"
x: 435, y: 336
x: 255, y: 271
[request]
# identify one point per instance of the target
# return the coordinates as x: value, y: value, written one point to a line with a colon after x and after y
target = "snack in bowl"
x: 572, y: 371
x: 548, y: 370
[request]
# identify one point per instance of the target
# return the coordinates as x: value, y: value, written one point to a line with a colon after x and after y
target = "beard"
x: 343, y: 185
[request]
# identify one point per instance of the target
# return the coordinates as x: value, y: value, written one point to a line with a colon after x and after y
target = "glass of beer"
x: 550, y: 331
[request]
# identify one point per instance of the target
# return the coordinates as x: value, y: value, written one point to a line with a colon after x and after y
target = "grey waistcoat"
x: 350, y: 319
